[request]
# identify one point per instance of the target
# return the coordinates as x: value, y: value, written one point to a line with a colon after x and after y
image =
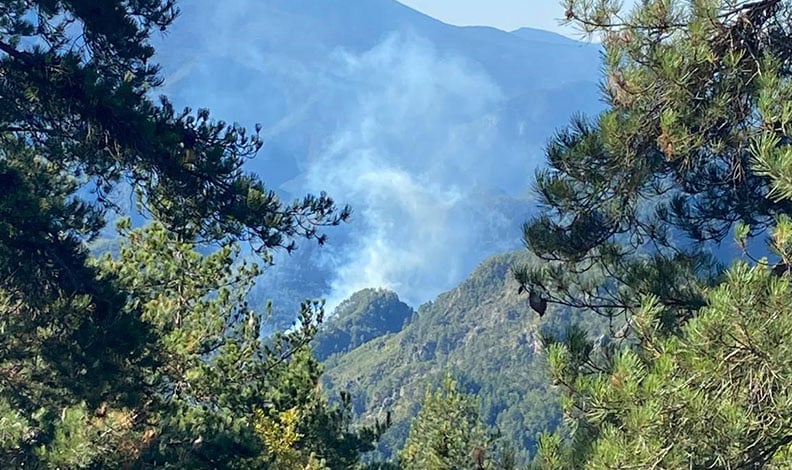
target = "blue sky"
x: 507, y: 15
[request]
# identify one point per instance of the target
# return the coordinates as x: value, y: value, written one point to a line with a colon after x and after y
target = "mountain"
x: 537, y: 35
x: 483, y: 333
x: 431, y: 132
x: 367, y: 314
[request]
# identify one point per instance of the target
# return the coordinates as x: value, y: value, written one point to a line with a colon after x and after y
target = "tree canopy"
x: 447, y: 433
x: 713, y: 396
x: 640, y: 206
x: 639, y: 199
x: 152, y: 357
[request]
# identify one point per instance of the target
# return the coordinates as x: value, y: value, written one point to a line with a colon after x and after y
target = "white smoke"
x: 416, y: 146
x: 431, y: 133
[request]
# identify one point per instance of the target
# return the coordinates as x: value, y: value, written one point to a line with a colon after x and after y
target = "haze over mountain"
x: 430, y: 131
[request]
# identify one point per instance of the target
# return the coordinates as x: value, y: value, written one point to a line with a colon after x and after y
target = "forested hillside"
x: 485, y: 335
x: 367, y: 314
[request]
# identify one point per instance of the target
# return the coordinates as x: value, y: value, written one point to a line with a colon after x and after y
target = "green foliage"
x: 208, y: 379
x: 207, y: 347
x: 280, y: 438
x: 716, y: 395
x: 447, y: 433
x: 367, y: 314
x: 215, y: 379
x: 69, y: 346
x: 695, y: 144
x: 694, y: 141
x: 83, y: 106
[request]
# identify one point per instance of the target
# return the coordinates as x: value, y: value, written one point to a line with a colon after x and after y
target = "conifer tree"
x: 691, y: 150
x: 714, y: 396
x: 692, y: 142
x: 220, y: 390
x: 151, y: 358
x: 447, y: 433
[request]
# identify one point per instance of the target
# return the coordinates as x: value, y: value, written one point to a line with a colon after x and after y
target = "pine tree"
x: 219, y: 388
x: 691, y: 150
x: 152, y: 357
x: 691, y: 144
x: 447, y: 433
x: 714, y: 396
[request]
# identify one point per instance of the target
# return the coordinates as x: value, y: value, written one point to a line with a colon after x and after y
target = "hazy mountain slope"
x: 305, y: 33
x: 483, y: 333
x: 430, y: 131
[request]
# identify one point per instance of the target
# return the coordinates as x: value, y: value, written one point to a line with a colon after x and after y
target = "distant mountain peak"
x: 365, y: 315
